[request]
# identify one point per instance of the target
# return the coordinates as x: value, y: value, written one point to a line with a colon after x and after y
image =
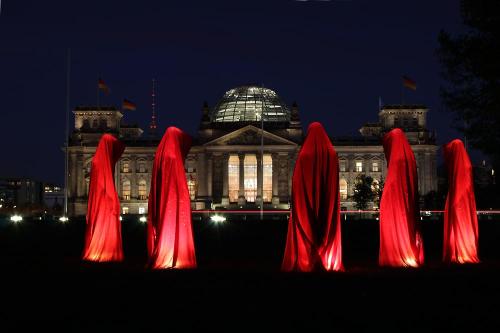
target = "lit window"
x: 142, y: 167
x: 233, y: 170
x: 142, y: 210
x: 125, y: 210
x: 142, y: 190
x: 375, y: 167
x: 126, y: 190
x: 267, y: 180
x: 250, y: 177
x: 343, y: 189
x: 342, y: 165
x: 125, y: 167
x: 359, y: 166
x: 191, y: 181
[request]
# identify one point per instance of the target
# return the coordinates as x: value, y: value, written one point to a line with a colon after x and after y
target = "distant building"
x: 53, y: 196
x: 484, y: 174
x: 225, y: 167
x: 20, y: 192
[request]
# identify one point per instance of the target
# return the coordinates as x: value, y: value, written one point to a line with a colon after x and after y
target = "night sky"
x: 335, y: 58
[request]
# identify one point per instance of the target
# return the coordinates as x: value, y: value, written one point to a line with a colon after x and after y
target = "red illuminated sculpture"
x: 400, y: 240
x: 460, y: 216
x: 314, y: 238
x: 103, y: 241
x: 169, y: 229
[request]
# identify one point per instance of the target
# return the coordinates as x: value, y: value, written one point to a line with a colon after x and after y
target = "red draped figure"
x: 400, y: 240
x: 103, y: 240
x: 170, y: 236
x: 460, y: 216
x: 313, y: 240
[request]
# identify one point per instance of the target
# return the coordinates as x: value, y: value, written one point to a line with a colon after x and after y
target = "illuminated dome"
x: 246, y: 104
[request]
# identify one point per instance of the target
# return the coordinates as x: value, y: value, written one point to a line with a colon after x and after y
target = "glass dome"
x: 246, y: 104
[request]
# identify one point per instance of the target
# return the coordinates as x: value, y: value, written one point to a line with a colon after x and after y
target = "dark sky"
x: 335, y: 58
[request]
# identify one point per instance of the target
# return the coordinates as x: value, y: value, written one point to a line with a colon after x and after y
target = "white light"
x: 1, y: 206
x: 16, y: 218
x: 120, y: 218
x: 217, y: 218
x: 142, y: 210
x: 143, y: 219
x: 63, y: 219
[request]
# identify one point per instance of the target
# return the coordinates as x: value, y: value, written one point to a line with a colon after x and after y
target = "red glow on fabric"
x: 103, y: 241
x: 314, y: 234
x: 460, y: 216
x: 400, y: 240
x: 169, y: 228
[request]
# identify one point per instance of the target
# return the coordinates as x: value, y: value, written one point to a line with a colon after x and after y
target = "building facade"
x: 243, y: 155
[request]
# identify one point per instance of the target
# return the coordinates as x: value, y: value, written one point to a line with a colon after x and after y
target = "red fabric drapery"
x: 103, y: 241
x: 169, y: 229
x: 400, y: 240
x: 314, y: 236
x: 460, y: 216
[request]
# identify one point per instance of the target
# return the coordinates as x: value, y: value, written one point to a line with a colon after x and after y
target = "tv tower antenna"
x: 152, y: 126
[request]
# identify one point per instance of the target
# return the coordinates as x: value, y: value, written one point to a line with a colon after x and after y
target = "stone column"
x: 201, y: 171
x: 225, y: 178
x: 260, y: 187
x: 276, y: 198
x: 241, y: 190
x: 209, y: 175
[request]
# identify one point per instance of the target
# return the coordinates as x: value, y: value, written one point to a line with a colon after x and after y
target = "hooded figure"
x: 314, y: 240
x: 460, y: 219
x: 103, y: 240
x: 400, y: 240
x: 169, y: 229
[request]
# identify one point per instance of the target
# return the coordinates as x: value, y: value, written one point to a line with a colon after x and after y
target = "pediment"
x: 249, y: 136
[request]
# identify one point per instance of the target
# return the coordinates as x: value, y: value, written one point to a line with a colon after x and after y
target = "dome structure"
x: 248, y: 103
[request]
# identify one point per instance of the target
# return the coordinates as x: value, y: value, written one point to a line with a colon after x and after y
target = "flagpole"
x: 262, y: 155
x: 66, y: 143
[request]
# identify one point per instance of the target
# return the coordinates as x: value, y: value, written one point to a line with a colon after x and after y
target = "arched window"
x: 86, y: 124
x: 142, y: 167
x: 125, y: 167
x: 95, y: 123
x: 103, y: 123
x: 343, y: 189
x: 191, y: 182
x: 233, y: 169
x: 142, y: 190
x: 126, y: 190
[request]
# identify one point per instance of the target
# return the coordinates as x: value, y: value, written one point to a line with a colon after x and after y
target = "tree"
x: 363, y: 193
x: 378, y: 188
x: 471, y: 67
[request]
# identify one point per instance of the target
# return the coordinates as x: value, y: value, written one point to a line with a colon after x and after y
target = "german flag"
x: 409, y: 83
x: 102, y: 86
x: 128, y: 105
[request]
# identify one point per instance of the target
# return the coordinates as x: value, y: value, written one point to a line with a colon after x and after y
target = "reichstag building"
x: 232, y: 163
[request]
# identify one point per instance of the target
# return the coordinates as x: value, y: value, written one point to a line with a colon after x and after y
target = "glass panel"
x: 250, y: 177
x: 126, y: 190
x: 343, y: 189
x: 233, y: 170
x: 342, y: 166
x: 142, y: 190
x: 359, y: 166
x: 375, y: 166
x: 125, y: 167
x: 267, y: 181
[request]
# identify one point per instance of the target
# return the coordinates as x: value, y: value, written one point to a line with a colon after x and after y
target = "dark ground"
x: 238, y: 285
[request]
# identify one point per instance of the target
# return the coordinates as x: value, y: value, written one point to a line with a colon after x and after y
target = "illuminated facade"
x: 227, y: 167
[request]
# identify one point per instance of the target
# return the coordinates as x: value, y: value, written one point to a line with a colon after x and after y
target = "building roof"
x: 248, y: 103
